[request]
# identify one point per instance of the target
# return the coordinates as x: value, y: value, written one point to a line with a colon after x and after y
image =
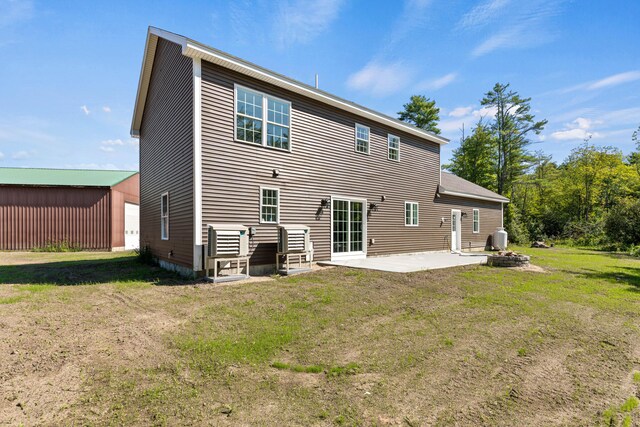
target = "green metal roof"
x: 63, y: 177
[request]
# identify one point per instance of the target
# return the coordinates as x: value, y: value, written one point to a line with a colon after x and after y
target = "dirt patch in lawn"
x: 466, y: 346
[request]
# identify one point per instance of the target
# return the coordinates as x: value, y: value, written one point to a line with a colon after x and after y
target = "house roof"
x: 63, y: 177
x: 194, y: 49
x: 453, y: 185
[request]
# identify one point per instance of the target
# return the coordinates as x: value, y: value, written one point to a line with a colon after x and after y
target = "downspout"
x: 197, y: 165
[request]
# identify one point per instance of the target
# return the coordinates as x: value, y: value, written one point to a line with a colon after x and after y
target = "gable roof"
x: 194, y: 49
x: 453, y: 185
x: 63, y: 177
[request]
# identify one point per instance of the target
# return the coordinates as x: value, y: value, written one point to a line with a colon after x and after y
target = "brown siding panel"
x: 322, y: 163
x: 32, y: 217
x: 166, y: 155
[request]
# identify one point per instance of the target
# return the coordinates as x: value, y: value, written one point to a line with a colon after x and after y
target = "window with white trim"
x: 269, y: 205
x: 410, y: 213
x: 362, y: 139
x: 476, y: 220
x: 164, y: 216
x: 393, y: 143
x: 253, y: 110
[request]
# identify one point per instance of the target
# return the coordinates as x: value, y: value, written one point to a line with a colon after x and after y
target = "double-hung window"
x: 362, y: 139
x: 410, y: 214
x: 164, y: 216
x: 254, y: 111
x: 393, y: 144
x: 269, y: 205
x: 476, y: 220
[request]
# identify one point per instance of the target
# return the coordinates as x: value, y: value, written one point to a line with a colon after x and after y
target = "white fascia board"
x: 472, y: 196
x: 194, y: 49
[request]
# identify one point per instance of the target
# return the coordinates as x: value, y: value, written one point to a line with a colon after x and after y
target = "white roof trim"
x: 472, y: 196
x: 194, y: 49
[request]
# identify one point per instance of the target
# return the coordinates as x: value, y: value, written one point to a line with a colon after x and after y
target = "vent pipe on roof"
x: 316, y: 80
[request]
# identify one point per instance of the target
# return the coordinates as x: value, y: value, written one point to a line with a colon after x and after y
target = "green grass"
x: 346, y: 347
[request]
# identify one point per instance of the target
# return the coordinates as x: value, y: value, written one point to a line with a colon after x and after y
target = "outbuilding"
x: 83, y: 209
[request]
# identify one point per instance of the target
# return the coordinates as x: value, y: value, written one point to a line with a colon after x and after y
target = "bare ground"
x: 468, y: 346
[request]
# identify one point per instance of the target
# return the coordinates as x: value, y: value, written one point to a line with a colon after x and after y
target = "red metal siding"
x: 34, y: 216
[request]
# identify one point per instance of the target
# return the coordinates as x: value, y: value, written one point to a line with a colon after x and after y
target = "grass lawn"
x: 98, y: 339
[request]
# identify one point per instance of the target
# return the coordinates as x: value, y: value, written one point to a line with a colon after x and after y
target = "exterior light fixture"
x: 275, y: 173
x: 324, y: 203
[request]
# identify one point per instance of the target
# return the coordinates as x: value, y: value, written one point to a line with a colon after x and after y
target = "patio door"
x: 348, y: 228
x: 456, y: 230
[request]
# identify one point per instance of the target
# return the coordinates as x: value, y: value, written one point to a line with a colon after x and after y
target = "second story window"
x: 394, y: 147
x: 362, y: 139
x: 254, y: 110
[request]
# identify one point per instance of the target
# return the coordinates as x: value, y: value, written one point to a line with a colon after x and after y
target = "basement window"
x: 393, y: 143
x: 269, y: 205
x: 362, y: 139
x: 253, y: 110
x: 411, y: 214
x: 164, y: 216
x: 476, y: 220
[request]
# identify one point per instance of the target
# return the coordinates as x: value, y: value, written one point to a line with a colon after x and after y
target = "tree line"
x: 591, y: 198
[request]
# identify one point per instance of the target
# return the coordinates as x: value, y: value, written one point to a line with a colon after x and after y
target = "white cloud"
x: 380, y: 79
x: 1, y: 155
x: 460, y: 111
x: 615, y: 80
x: 523, y: 24
x: 85, y: 110
x: 300, y: 21
x: 112, y: 142
x: 106, y: 109
x: 437, y: 83
x: 579, y: 129
x: 107, y: 149
x: 23, y: 154
x: 482, y: 14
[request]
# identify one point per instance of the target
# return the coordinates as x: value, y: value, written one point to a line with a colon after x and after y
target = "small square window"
x: 362, y: 139
x: 411, y: 214
x: 269, y: 205
x: 393, y: 143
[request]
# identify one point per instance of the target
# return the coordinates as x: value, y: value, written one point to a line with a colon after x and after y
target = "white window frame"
x: 355, y: 145
x: 164, y: 216
x: 277, y: 221
x: 389, y: 136
x: 474, y: 221
x: 410, y: 218
x: 265, y: 117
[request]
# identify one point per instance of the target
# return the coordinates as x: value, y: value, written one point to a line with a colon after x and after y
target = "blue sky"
x: 69, y: 70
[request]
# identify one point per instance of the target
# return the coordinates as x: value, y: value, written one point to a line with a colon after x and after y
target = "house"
x: 85, y: 209
x: 223, y: 140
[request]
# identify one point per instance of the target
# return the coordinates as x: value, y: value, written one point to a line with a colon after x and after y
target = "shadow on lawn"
x: 628, y: 275
x: 69, y: 273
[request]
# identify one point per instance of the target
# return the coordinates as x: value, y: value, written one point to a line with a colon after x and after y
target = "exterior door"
x: 131, y: 226
x: 456, y: 232
x: 348, y: 228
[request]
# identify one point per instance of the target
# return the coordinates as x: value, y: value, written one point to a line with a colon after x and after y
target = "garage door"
x: 131, y: 226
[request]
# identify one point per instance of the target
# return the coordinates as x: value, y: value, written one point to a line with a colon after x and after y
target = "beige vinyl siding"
x: 166, y: 155
x: 490, y: 219
x: 322, y: 163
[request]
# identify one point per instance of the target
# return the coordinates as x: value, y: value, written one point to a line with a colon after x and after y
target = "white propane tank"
x: 500, y: 239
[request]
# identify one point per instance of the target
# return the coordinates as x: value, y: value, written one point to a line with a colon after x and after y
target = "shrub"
x: 622, y: 223
x: 145, y: 256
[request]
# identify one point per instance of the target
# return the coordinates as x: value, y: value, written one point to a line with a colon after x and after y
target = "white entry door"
x: 131, y: 226
x: 348, y: 228
x: 456, y: 230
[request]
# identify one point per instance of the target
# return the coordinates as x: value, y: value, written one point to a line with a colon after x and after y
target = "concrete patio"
x: 412, y: 262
